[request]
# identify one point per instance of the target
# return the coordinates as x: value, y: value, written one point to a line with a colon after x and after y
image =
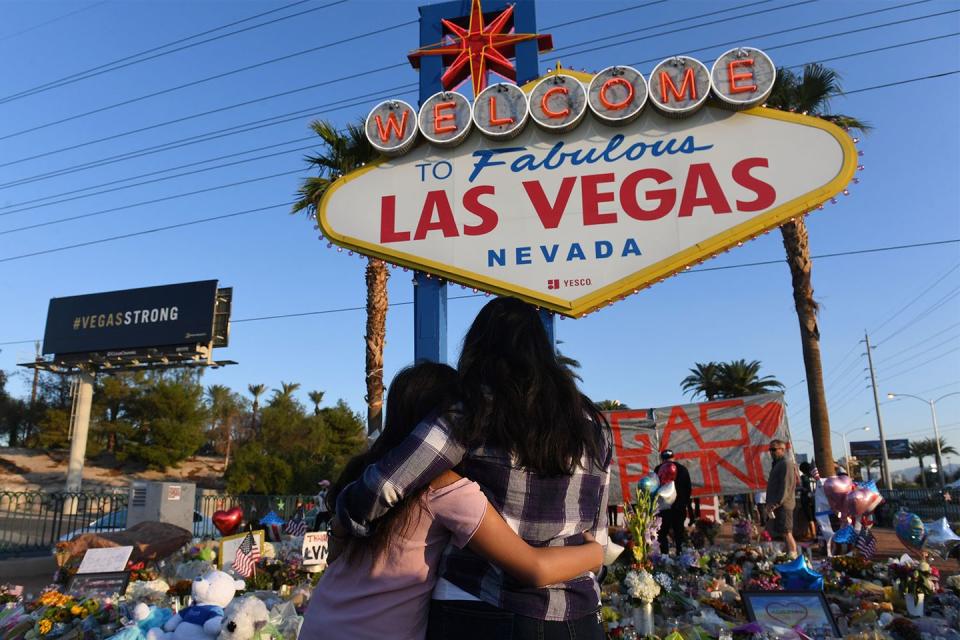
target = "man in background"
x: 781, y: 495
x: 674, y: 517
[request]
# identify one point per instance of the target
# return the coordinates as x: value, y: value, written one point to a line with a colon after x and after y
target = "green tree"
x: 112, y: 397
x: 810, y: 94
x: 316, y: 397
x: 256, y: 390
x: 14, y: 415
x: 226, y: 410
x: 168, y: 415
x: 342, y: 153
x: 345, y: 435
x: 920, y: 449
x: 612, y: 405
x: 254, y: 470
x: 734, y: 379
x: 286, y: 390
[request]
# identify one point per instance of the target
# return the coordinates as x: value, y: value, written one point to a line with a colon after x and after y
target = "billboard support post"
x: 80, y: 427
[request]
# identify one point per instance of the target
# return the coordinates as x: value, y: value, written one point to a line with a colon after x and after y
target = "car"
x: 117, y: 521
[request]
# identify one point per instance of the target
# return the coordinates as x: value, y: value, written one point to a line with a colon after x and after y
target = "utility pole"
x: 884, y: 461
x: 36, y: 375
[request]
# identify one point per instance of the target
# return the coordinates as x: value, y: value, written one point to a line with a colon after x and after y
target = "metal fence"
x: 929, y: 504
x: 34, y: 521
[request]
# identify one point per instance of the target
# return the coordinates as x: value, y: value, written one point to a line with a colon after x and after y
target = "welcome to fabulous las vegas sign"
x: 576, y: 190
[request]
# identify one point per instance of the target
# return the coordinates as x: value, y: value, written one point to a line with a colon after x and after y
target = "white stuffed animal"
x: 201, y: 620
x: 243, y: 618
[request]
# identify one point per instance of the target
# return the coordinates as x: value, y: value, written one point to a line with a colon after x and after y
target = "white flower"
x: 664, y: 580
x: 642, y: 586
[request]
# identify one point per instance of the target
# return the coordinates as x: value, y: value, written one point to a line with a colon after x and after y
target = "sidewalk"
x: 33, y: 573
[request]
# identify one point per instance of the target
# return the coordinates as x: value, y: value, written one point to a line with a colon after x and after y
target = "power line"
x: 116, y: 64
x: 922, y: 293
x: 193, y: 83
x: 280, y: 119
x: 343, y: 309
x: 922, y: 364
x: 52, y: 20
x: 175, y: 196
x: 325, y: 83
x: 936, y: 305
x: 925, y: 351
x: 917, y: 344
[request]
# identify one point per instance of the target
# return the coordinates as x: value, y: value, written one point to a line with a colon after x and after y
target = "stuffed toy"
x: 202, y: 619
x: 144, y: 619
x: 243, y: 618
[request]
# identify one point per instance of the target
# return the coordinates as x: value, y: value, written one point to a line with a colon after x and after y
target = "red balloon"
x: 836, y: 489
x: 860, y: 502
x: 227, y: 522
x: 667, y: 473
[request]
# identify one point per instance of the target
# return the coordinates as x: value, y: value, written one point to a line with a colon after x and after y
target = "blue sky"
x: 636, y: 351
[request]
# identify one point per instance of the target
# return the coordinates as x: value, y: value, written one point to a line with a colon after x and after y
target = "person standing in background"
x: 674, y: 517
x: 781, y: 495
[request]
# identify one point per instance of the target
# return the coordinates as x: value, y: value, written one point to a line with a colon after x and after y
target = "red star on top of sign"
x: 478, y: 49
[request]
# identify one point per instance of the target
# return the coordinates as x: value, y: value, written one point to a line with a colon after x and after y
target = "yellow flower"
x: 76, y: 609
x: 45, y: 626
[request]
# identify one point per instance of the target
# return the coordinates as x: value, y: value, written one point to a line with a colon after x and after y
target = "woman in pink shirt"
x: 381, y: 585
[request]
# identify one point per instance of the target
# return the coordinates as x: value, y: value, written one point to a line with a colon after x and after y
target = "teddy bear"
x: 243, y: 618
x: 201, y: 620
x: 144, y: 618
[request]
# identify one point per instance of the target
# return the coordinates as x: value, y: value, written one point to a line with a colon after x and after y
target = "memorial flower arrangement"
x: 707, y: 528
x: 10, y: 594
x: 643, y: 525
x: 641, y: 586
x: 744, y: 531
x: 914, y: 578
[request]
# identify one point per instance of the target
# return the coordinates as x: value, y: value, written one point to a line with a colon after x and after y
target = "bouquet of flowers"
x: 708, y: 528
x: 744, y: 531
x: 643, y: 524
x: 9, y: 593
x: 914, y: 578
x: 641, y: 585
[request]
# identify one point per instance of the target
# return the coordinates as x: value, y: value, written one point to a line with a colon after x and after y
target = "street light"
x: 936, y: 427
x: 846, y: 447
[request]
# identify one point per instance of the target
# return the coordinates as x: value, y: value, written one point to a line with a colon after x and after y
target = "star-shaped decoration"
x: 478, y: 49
x: 798, y: 576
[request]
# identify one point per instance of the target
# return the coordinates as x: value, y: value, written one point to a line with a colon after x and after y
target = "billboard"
x: 722, y: 443
x: 570, y: 194
x: 165, y: 316
x: 896, y: 449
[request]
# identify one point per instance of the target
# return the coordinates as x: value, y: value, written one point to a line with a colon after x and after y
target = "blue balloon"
x: 845, y: 535
x: 271, y: 518
x: 649, y: 483
x: 910, y: 530
x: 798, y: 576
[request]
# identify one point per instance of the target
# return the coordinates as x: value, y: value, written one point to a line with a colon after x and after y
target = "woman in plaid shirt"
x: 540, y: 451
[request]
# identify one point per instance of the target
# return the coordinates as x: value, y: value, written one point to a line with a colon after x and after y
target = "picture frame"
x: 104, y: 584
x: 789, y: 608
x: 228, y: 548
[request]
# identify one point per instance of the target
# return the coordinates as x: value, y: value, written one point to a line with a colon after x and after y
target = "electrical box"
x: 170, y: 502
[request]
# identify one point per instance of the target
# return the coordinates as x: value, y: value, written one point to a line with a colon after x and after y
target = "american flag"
x: 296, y: 527
x: 866, y: 544
x: 248, y: 554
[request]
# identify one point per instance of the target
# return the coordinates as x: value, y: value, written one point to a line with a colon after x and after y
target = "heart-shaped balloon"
x: 910, y: 530
x: 836, y: 490
x: 649, y: 483
x: 667, y: 473
x: 227, y: 521
x: 860, y: 502
x: 666, y: 496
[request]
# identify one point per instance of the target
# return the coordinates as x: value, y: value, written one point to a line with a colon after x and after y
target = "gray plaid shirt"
x: 544, y: 511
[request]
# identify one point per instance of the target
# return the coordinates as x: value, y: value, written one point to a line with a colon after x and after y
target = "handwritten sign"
x: 315, y: 548
x: 105, y: 560
x: 722, y: 443
x: 99, y: 584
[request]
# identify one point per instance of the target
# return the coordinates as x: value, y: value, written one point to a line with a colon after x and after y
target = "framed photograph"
x: 104, y: 585
x: 807, y: 609
x: 228, y: 548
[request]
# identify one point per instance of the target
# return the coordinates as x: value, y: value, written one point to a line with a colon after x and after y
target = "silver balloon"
x: 940, y: 537
x: 666, y: 496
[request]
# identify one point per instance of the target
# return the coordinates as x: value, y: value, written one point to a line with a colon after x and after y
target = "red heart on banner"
x: 765, y: 417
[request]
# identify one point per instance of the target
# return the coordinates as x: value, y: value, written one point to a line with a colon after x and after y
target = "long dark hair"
x: 517, y: 396
x: 415, y: 393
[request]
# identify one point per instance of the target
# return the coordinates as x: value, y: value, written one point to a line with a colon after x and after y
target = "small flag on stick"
x: 248, y: 554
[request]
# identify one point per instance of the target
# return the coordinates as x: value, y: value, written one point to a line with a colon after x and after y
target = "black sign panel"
x: 175, y: 314
x: 896, y: 449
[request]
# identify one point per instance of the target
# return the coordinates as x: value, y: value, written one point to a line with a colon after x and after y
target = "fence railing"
x: 929, y: 504
x: 34, y: 521
x: 254, y: 507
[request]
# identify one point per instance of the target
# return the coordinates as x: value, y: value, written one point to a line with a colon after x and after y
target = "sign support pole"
x: 78, y: 444
x: 430, y: 294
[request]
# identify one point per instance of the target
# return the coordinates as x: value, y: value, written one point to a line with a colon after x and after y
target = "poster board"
x: 229, y: 544
x: 315, y: 549
x: 805, y: 609
x: 105, y: 560
x: 722, y: 443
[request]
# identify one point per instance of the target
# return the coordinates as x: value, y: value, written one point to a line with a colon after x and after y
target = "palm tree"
x: 920, y: 449
x: 316, y: 397
x: 225, y: 408
x: 344, y: 152
x: 741, y: 378
x: 810, y: 94
x: 612, y: 405
x: 256, y: 390
x: 570, y: 364
x: 286, y: 390
x: 703, y: 380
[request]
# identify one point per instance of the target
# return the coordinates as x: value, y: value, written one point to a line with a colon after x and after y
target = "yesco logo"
x: 741, y: 78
